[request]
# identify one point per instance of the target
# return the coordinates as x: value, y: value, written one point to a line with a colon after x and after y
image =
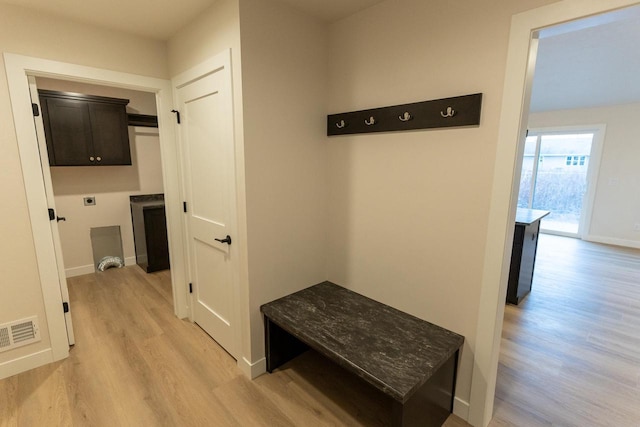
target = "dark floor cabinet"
x: 525, y: 242
x: 85, y: 130
x: 523, y: 254
x: 150, y: 235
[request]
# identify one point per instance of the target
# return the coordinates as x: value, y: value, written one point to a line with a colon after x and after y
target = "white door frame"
x: 513, y: 122
x: 18, y: 67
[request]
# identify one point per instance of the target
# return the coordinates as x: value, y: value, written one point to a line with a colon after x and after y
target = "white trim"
x: 461, y: 408
x: 37, y: 203
x: 593, y: 173
x: 25, y: 363
x: 514, y: 111
x: 613, y: 241
x: 80, y: 270
x: 252, y: 370
x: 18, y: 67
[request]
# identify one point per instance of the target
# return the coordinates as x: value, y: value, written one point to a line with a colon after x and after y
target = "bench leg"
x: 431, y: 405
x: 280, y: 346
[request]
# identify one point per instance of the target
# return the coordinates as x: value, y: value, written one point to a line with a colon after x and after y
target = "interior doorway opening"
x: 77, y: 119
x: 99, y: 196
x: 19, y: 70
x: 593, y: 21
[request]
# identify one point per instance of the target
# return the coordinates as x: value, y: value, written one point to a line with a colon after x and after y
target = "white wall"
x: 617, y: 202
x: 26, y: 32
x: 111, y: 186
x: 409, y: 211
x: 284, y: 83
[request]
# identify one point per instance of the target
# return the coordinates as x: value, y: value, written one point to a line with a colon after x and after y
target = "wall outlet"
x: 636, y: 226
x: 90, y: 201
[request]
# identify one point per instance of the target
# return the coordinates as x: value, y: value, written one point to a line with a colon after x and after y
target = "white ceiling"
x: 160, y: 19
x: 589, y: 63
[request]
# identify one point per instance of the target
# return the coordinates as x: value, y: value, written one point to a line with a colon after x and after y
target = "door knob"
x: 226, y: 240
x: 61, y: 218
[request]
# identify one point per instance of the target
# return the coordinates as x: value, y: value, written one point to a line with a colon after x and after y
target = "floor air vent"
x: 19, y: 333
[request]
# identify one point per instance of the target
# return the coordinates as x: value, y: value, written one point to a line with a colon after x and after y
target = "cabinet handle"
x: 98, y: 158
x: 91, y: 159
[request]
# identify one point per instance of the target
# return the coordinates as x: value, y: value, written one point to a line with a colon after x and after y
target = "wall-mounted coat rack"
x: 438, y: 113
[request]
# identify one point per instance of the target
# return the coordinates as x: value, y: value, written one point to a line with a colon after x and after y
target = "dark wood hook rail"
x: 439, y: 113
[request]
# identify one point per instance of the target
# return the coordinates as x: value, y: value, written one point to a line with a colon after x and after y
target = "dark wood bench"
x: 410, y: 360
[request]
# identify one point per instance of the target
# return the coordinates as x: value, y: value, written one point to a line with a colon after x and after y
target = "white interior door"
x: 48, y: 185
x: 206, y: 129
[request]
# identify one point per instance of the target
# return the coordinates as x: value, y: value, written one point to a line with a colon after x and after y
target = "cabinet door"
x: 110, y: 134
x: 68, y: 132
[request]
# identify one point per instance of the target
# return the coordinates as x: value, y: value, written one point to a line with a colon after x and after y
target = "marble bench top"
x: 392, y: 350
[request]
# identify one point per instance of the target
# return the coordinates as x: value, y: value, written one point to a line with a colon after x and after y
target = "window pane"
x: 527, y: 171
x: 562, y: 179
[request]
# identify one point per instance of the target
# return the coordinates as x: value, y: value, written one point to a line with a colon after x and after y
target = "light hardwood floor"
x: 570, y: 356
x: 570, y: 353
x: 136, y: 364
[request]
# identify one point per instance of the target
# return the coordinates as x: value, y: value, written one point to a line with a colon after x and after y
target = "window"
x: 576, y: 160
x: 557, y: 184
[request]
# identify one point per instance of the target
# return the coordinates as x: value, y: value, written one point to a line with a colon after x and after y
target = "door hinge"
x: 184, y: 206
x: 190, y: 288
x: 177, y: 113
x: 65, y: 307
x: 52, y: 214
x: 36, y: 110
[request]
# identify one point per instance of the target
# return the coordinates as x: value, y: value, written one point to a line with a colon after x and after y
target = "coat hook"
x: 405, y: 117
x: 450, y: 112
x: 341, y: 124
x: 370, y: 122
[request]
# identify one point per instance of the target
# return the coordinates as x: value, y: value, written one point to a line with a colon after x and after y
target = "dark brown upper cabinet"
x: 85, y: 130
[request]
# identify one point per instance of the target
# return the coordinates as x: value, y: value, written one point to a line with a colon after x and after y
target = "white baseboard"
x: 613, y: 241
x: 79, y: 271
x: 25, y: 363
x: 90, y: 268
x: 253, y: 370
x: 461, y: 408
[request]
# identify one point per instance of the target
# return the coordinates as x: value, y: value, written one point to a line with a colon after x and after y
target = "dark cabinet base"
x: 150, y: 235
x: 523, y: 256
x: 155, y: 227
